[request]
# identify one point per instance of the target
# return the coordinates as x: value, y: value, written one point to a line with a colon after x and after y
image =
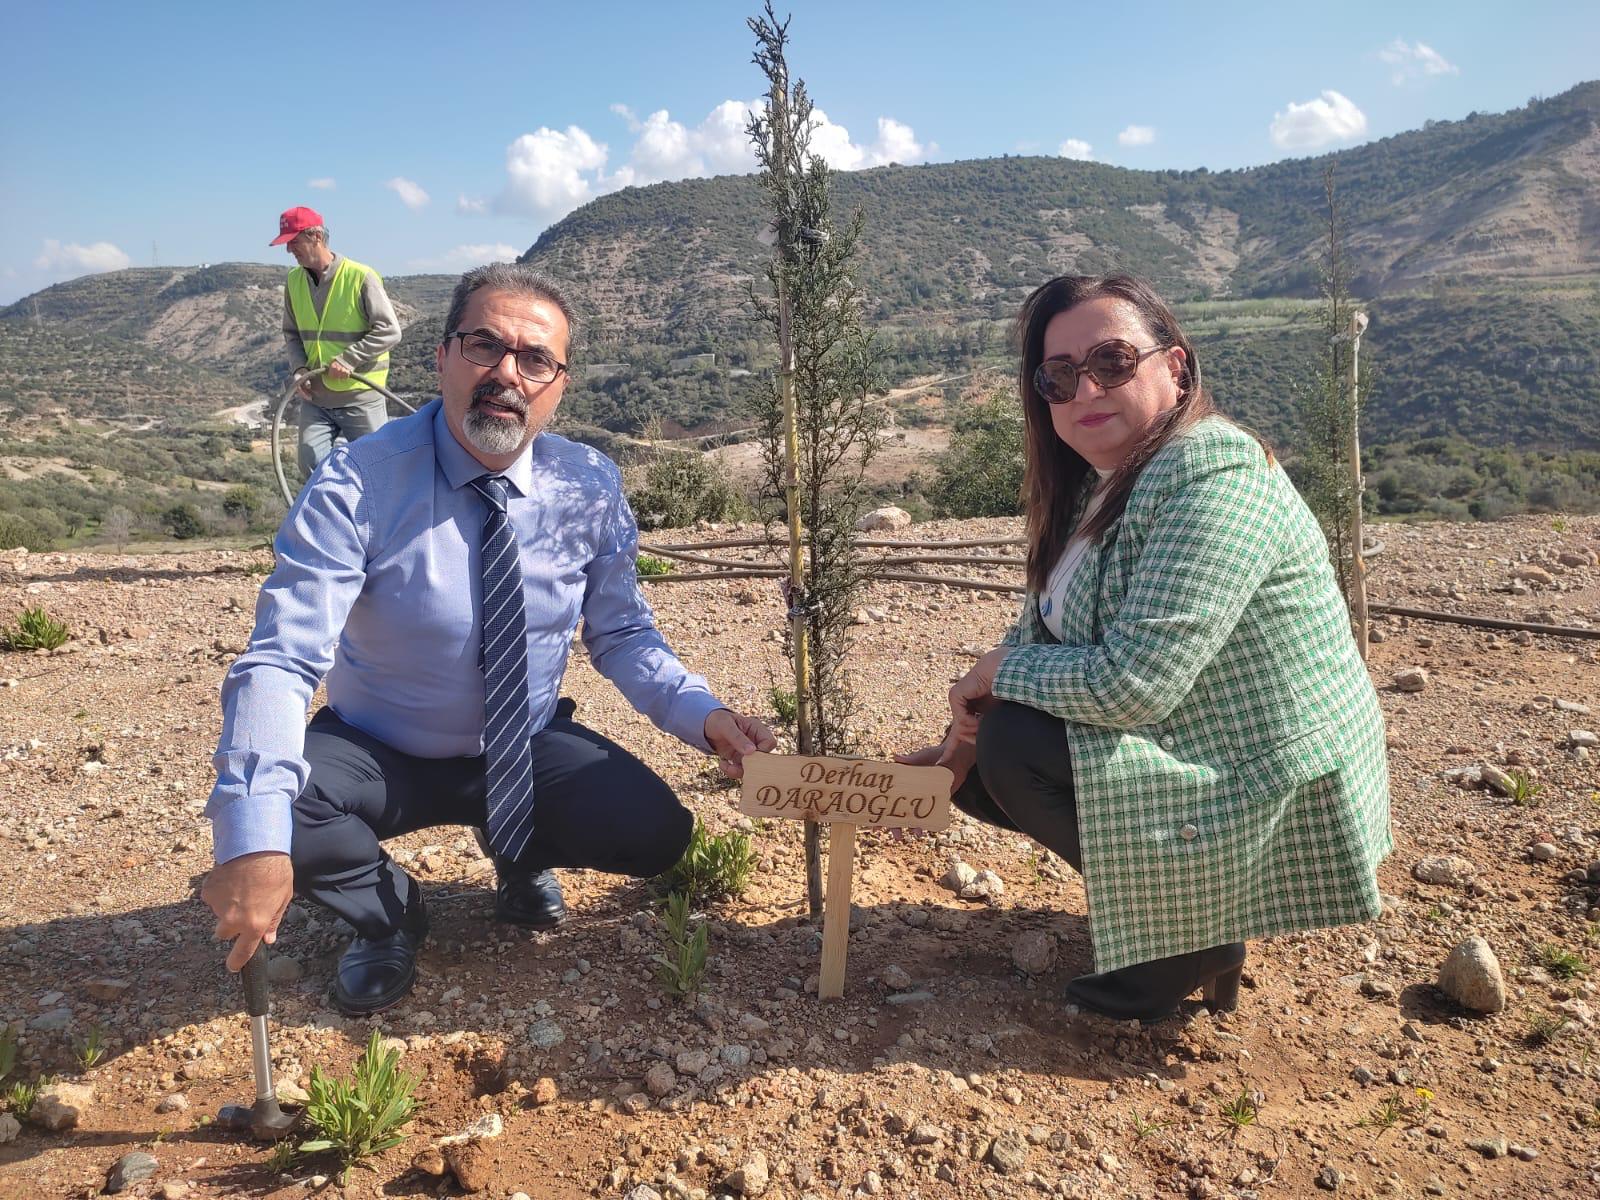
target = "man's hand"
x: 304, y: 388
x: 973, y: 695
x: 960, y: 757
x: 733, y: 735
x: 337, y: 370
x: 249, y: 895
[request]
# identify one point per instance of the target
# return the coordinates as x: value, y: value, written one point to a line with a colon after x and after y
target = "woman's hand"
x: 973, y: 695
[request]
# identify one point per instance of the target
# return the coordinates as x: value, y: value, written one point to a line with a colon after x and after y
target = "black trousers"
x: 595, y: 806
x: 1023, y: 780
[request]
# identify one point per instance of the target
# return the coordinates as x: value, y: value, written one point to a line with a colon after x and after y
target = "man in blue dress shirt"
x: 377, y: 588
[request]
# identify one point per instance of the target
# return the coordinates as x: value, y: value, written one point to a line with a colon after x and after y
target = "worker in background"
x: 336, y: 316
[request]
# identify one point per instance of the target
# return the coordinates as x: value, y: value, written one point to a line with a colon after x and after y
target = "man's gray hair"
x: 316, y: 231
x: 510, y: 277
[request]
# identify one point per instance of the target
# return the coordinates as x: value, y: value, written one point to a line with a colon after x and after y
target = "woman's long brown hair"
x: 1053, y: 484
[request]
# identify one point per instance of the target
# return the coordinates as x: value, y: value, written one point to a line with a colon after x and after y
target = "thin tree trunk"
x: 1358, y: 567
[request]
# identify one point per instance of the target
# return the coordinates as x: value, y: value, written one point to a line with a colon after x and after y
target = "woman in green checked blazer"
x: 1180, y: 711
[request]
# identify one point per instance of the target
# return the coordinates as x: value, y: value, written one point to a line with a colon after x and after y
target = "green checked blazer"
x: 1227, y: 746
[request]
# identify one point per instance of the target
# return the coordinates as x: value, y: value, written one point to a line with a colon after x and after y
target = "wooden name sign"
x: 856, y: 791
x: 845, y: 793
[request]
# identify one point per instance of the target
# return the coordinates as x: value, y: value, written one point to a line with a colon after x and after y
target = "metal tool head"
x: 265, y: 1120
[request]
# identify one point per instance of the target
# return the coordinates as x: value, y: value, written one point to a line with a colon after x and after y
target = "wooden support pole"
x: 836, y: 910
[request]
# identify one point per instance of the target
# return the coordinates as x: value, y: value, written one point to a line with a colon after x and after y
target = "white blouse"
x: 1077, y: 549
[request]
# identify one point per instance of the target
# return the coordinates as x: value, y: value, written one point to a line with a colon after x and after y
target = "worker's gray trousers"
x: 321, y: 429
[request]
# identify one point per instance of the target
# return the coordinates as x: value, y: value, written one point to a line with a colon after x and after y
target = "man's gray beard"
x: 497, y: 435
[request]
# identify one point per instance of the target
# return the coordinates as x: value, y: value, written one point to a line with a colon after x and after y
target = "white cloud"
x: 1137, y: 135
x: 411, y: 195
x: 1413, y: 61
x: 471, y: 206
x: 1076, y: 148
x: 70, y: 259
x: 325, y: 184
x: 551, y: 172
x: 459, y: 258
x: 1331, y: 117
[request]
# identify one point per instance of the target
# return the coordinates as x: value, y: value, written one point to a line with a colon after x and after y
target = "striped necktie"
x: 508, y: 756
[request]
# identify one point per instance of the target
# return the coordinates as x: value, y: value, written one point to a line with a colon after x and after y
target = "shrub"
x: 680, y: 489
x: 183, y: 521
x: 649, y: 564
x: 981, y: 474
x: 713, y: 867
x: 34, y: 630
x: 362, y: 1116
x: 15, y: 531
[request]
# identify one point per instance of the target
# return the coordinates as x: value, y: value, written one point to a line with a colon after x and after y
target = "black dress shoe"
x: 376, y: 973
x: 1149, y: 991
x: 533, y: 900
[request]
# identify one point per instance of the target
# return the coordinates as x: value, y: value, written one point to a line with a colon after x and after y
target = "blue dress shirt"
x: 376, y: 588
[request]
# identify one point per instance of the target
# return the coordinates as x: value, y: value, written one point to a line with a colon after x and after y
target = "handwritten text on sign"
x: 856, y: 791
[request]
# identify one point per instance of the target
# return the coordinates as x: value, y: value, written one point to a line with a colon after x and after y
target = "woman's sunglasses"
x: 1110, y: 364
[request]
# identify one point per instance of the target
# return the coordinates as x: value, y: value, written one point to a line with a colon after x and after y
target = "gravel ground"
x: 951, y: 1067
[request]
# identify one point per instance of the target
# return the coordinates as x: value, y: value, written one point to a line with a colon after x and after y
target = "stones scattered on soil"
x: 1471, y: 977
x: 1034, y: 952
x: 131, y: 1168
x: 60, y: 1106
x: 1446, y: 870
x: 1411, y: 679
x: 751, y: 1177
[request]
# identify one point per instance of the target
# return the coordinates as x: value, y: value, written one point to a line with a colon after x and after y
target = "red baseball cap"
x: 294, y: 222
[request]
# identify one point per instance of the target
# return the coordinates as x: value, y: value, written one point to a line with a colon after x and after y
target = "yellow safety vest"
x: 341, y: 323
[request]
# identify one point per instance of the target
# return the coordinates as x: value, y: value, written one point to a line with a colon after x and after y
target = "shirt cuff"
x: 251, y: 825
x: 689, y: 718
x: 1011, y: 681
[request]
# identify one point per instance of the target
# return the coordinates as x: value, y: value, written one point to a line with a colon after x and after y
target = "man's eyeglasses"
x: 535, y: 365
x: 1110, y: 364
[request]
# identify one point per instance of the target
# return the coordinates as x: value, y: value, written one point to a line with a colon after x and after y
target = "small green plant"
x: 1035, y: 862
x: 1561, y: 962
x: 1559, y: 524
x: 1391, y: 1109
x: 363, y: 1115
x: 1144, y: 1126
x: 1242, y: 1110
x: 713, y: 867
x: 92, y: 1049
x: 1525, y: 792
x: 1435, y: 914
x: 19, y: 1097
x: 282, y: 1156
x: 1591, y: 937
x: 34, y: 630
x: 649, y: 564
x: 784, y: 705
x: 681, y: 966
x: 8, y: 1049
x: 1543, y: 1028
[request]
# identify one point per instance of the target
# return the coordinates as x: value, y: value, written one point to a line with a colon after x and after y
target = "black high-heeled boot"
x: 1148, y: 991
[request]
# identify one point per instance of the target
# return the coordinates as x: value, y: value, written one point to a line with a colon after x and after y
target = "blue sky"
x: 435, y: 136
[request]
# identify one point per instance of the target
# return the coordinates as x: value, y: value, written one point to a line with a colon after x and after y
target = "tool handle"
x: 254, y: 978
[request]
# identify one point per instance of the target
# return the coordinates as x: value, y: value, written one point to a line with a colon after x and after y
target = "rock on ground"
x: 1471, y: 977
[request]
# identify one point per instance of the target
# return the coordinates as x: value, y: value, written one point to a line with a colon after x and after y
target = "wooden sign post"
x: 843, y: 793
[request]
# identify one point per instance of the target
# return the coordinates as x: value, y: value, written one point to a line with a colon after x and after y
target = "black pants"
x: 595, y: 805
x: 1023, y: 779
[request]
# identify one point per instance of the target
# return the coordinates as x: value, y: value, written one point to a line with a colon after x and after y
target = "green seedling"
x: 92, y: 1049
x: 1143, y: 1127
x: 681, y: 965
x: 784, y: 706
x: 1242, y: 1110
x: 1561, y: 962
x: 34, y: 630
x: 1525, y: 792
x: 1543, y: 1028
x: 713, y: 867
x: 362, y: 1116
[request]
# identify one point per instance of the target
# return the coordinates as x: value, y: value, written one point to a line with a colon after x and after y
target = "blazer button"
x: 1167, y: 741
x: 1188, y: 833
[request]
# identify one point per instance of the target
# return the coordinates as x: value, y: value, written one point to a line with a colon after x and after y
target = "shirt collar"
x: 460, y: 468
x: 319, y: 277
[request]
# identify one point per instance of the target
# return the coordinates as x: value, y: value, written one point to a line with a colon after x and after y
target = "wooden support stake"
x: 836, y: 910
